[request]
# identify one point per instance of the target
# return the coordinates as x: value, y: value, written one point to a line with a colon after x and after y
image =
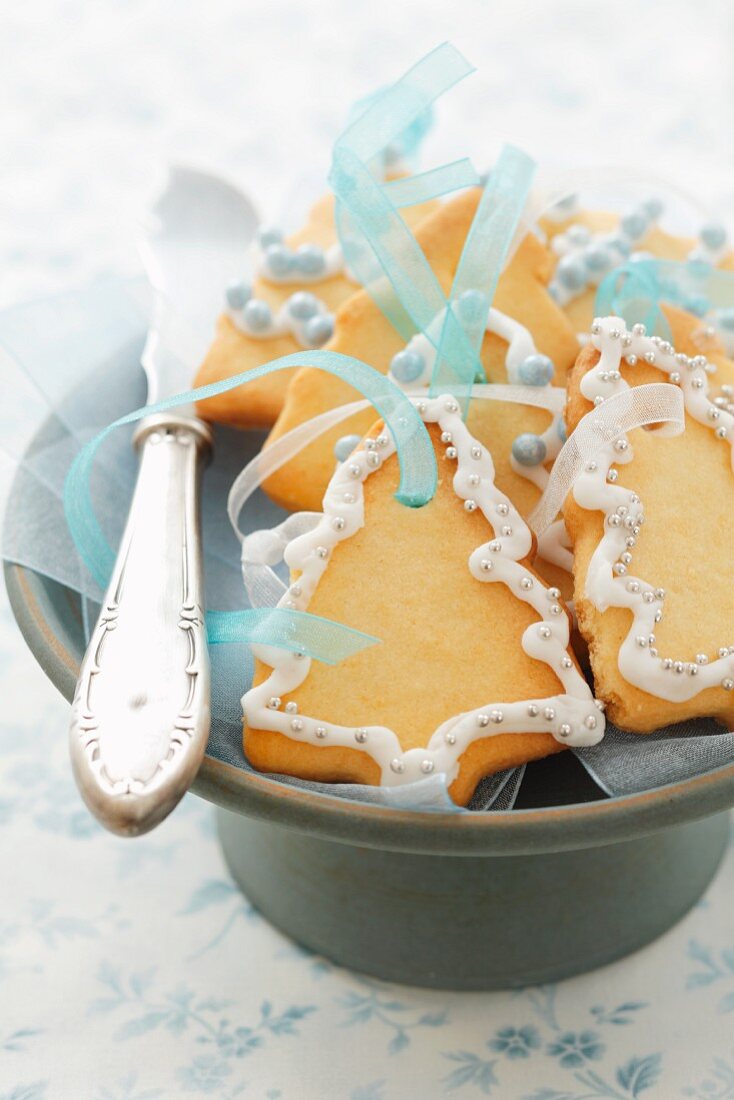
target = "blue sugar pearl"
x: 556, y: 291
x: 269, y: 235
x: 536, y: 370
x: 598, y: 259
x: 725, y: 319
x: 620, y: 245
x: 310, y: 259
x: 571, y: 273
x: 237, y: 294
x: 713, y: 236
x: 698, y: 304
x: 303, y: 305
x: 256, y: 315
x: 567, y: 205
x: 634, y: 225
x: 578, y: 235
x: 407, y: 366
x: 279, y: 260
x: 562, y: 431
x: 472, y: 306
x: 653, y: 208
x: 317, y: 330
x: 344, y: 447
x: 528, y: 449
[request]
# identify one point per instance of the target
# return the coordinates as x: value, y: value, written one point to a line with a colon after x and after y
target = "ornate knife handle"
x: 140, y: 718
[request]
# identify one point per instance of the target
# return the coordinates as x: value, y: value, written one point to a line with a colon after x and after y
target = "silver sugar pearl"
x: 291, y: 708
x: 482, y: 720
x: 427, y: 766
x: 549, y: 714
x: 274, y: 702
x: 397, y: 766
x: 360, y: 735
x: 296, y: 725
x: 470, y: 505
x: 564, y: 730
x: 320, y: 732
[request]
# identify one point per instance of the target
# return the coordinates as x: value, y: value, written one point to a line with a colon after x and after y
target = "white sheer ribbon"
x: 658, y: 403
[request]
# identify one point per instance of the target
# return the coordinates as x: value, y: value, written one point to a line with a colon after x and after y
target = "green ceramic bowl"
x: 481, y: 901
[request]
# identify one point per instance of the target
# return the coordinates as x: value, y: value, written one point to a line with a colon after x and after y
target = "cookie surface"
x: 473, y: 673
x: 362, y: 331
x: 655, y: 241
x: 232, y: 351
x: 685, y: 485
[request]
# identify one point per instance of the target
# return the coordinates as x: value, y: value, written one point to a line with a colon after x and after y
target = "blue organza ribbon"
x: 482, y: 258
x: 635, y: 290
x: 383, y: 253
x: 288, y: 629
x: 298, y: 631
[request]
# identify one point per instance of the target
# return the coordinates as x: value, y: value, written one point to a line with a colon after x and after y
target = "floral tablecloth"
x: 135, y: 970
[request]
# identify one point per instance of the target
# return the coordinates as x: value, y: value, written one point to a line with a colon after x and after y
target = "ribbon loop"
x: 635, y: 289
x: 482, y: 259
x: 382, y: 252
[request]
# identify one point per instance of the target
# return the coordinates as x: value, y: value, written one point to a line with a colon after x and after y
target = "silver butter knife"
x: 140, y: 718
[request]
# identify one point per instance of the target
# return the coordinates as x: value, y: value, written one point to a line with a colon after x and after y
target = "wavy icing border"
x: 573, y: 717
x: 608, y: 581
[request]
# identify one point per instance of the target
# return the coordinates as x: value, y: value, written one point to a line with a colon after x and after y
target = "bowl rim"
x: 499, y: 833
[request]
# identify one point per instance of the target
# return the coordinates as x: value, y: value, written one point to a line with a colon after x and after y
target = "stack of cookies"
x: 496, y: 647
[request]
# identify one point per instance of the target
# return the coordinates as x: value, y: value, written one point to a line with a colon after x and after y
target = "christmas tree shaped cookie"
x: 652, y: 523
x: 588, y: 244
x: 474, y: 672
x: 300, y: 282
x: 524, y: 320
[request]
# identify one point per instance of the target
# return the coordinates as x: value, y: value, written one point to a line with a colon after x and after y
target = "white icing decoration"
x: 554, y: 546
x: 281, y: 323
x: 609, y: 582
x: 571, y: 716
x: 333, y: 265
x: 520, y: 344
